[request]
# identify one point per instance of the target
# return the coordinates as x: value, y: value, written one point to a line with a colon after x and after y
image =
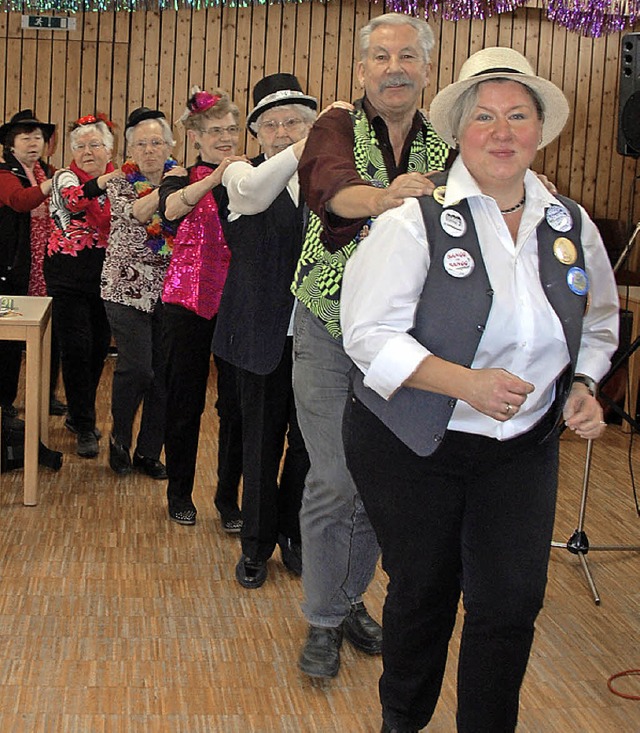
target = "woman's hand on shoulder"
x: 45, y: 187
x: 216, y: 176
x: 106, y: 177
x: 177, y: 170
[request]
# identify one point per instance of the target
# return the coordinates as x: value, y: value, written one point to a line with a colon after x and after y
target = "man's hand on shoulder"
x: 405, y: 186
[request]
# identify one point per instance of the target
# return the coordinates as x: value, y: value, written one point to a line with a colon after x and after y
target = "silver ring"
x: 602, y: 422
x: 509, y: 408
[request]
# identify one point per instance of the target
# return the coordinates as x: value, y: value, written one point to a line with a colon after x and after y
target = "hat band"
x: 499, y: 70
x: 281, y: 94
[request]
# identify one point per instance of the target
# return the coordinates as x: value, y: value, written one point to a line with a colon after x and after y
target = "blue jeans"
x: 339, y: 546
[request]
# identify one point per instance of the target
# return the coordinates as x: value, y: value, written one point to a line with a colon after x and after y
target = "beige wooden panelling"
x: 114, y: 62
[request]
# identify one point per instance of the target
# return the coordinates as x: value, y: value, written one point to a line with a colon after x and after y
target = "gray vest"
x: 452, y: 314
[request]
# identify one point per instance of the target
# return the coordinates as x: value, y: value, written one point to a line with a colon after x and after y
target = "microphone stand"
x: 578, y: 543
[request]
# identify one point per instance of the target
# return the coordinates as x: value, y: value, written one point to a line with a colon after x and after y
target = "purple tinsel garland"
x: 588, y: 17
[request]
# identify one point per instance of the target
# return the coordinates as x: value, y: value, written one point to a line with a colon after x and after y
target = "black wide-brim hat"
x: 143, y: 113
x: 275, y: 90
x: 26, y: 118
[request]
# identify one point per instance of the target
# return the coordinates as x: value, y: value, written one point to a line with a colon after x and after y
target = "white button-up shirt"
x: 523, y: 335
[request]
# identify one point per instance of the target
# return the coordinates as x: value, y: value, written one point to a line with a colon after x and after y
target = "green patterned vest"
x: 318, y: 279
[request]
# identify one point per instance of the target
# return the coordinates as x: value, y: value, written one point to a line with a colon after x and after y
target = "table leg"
x: 32, y: 415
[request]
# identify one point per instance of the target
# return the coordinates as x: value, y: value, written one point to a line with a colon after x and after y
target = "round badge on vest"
x: 558, y: 218
x: 438, y: 194
x: 453, y: 223
x: 565, y: 251
x: 578, y: 281
x: 458, y: 262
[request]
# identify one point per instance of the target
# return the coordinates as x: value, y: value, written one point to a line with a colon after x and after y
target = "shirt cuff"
x: 394, y: 364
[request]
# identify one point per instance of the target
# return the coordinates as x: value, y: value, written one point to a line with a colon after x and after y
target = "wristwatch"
x: 588, y: 383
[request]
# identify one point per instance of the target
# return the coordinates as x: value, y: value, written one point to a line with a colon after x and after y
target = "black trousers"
x: 83, y: 333
x: 187, y: 344
x: 475, y: 517
x: 270, y: 506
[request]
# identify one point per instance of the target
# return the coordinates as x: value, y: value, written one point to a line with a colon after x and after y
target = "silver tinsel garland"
x: 588, y: 17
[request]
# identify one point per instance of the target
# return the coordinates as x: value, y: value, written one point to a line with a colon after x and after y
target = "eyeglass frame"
x: 219, y: 131
x: 156, y: 143
x: 288, y: 125
x: 83, y: 146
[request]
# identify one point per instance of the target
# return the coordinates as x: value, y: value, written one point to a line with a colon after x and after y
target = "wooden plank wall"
x: 114, y: 62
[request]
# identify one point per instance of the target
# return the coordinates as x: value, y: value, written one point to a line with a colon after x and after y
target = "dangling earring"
x: 196, y: 145
x: 455, y: 142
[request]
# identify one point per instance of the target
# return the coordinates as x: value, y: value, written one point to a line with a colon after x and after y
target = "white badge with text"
x: 453, y: 223
x: 458, y: 262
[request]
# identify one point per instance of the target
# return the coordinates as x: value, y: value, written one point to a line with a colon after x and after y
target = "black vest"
x: 257, y: 301
x: 452, y: 314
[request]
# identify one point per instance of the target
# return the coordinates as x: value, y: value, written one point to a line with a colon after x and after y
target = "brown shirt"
x: 328, y: 165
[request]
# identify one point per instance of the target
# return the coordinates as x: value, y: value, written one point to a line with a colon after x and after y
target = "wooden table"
x: 31, y: 323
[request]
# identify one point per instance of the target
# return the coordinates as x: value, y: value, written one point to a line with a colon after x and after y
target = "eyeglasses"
x: 289, y: 125
x: 143, y: 144
x: 216, y: 131
x: 83, y: 146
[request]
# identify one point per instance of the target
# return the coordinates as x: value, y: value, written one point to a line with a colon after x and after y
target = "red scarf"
x: 98, y: 214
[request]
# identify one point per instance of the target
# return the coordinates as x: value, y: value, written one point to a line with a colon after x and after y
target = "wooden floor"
x: 114, y: 619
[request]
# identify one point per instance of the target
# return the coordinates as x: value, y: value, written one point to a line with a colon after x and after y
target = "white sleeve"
x: 382, y: 285
x: 252, y: 190
x: 601, y: 321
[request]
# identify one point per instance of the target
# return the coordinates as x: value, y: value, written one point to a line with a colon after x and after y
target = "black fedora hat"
x: 27, y: 118
x: 143, y: 113
x: 275, y: 90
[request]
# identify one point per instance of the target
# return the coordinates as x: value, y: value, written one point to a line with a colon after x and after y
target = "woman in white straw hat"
x: 479, y: 320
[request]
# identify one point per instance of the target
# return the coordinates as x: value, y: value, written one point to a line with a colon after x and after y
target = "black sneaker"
x: 69, y: 425
x: 87, y: 445
x: 320, y: 655
x: 151, y: 466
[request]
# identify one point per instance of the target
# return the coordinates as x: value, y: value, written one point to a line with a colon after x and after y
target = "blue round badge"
x: 578, y: 281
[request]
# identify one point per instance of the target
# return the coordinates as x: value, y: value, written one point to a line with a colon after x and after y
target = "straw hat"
x: 275, y: 90
x: 500, y: 63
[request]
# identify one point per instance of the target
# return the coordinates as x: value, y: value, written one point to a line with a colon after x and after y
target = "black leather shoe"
x: 232, y: 525
x: 119, y: 458
x: 70, y: 425
x: 56, y: 407
x: 251, y: 573
x: 183, y: 516
x: 291, y: 554
x: 151, y: 466
x: 87, y: 445
x: 320, y: 656
x: 362, y: 631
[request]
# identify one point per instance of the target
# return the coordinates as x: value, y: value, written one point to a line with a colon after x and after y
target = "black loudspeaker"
x: 629, y: 100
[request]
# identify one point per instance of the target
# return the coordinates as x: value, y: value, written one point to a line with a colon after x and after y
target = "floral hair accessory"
x: 199, y: 101
x: 91, y: 120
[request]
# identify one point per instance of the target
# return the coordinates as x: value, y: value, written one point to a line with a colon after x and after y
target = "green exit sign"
x: 48, y: 23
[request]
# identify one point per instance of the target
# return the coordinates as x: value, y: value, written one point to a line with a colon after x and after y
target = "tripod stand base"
x: 578, y: 544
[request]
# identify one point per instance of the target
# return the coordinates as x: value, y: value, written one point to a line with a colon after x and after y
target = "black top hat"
x: 28, y: 119
x: 275, y: 90
x: 142, y: 113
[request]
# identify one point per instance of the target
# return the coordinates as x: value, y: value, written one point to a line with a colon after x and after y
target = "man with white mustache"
x: 356, y: 164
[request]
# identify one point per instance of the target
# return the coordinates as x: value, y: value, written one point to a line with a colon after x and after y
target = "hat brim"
x: 47, y: 128
x: 152, y: 114
x: 303, y: 99
x: 556, y: 107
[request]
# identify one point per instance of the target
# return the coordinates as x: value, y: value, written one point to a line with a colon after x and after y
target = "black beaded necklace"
x: 518, y: 206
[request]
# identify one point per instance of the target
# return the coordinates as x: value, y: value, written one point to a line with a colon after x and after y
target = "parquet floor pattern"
x: 115, y: 620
